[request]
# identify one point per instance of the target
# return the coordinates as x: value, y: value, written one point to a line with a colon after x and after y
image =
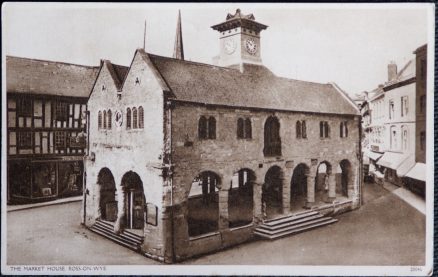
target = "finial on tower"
x: 178, y: 51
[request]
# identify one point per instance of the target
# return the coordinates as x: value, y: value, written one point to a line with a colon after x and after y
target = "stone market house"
x: 188, y: 158
x: 46, y: 102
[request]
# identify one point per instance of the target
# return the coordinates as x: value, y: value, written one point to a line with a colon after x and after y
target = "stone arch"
x: 323, y: 181
x: 107, y: 200
x: 272, y: 191
x: 241, y: 198
x: 134, y: 201
x: 299, y: 186
x: 203, y: 203
x: 345, y: 180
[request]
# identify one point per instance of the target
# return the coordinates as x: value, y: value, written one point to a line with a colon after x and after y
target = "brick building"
x: 46, y: 102
x: 188, y: 158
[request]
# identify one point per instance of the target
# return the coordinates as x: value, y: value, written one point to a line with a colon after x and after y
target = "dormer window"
x: 137, y: 81
x: 103, y: 87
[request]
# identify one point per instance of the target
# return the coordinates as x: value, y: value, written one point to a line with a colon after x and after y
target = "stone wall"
x: 122, y: 150
x: 226, y: 154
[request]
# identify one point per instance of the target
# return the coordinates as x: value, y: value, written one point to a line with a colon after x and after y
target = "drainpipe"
x: 84, y: 175
x: 170, y: 176
x: 361, y: 163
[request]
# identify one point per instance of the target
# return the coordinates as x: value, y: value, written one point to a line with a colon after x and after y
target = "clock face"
x: 119, y: 118
x: 251, y: 46
x: 230, y: 46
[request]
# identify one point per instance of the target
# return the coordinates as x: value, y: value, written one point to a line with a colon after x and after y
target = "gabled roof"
x: 117, y: 72
x: 33, y: 76
x: 256, y: 87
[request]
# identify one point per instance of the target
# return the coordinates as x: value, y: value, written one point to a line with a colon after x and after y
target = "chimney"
x: 392, y: 71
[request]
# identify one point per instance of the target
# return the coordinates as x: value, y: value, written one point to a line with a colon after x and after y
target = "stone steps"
x: 292, y: 224
x: 126, y: 238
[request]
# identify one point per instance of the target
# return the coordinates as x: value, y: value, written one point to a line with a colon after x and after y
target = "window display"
x: 69, y: 178
x: 19, y: 175
x: 44, y: 180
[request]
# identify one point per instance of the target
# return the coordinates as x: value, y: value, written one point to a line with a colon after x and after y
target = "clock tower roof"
x: 239, y: 20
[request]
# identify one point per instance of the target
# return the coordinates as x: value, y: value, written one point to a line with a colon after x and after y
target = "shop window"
x: 99, y: 120
x: 44, y: 180
x: 19, y: 179
x: 25, y: 140
x: 24, y: 107
x: 61, y: 111
x: 134, y: 118
x: 128, y: 118
x: 109, y: 115
x: 140, y: 117
x: 70, y: 178
x: 60, y: 139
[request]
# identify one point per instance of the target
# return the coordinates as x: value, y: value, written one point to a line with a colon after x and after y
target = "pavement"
x: 11, y: 208
x: 386, y: 230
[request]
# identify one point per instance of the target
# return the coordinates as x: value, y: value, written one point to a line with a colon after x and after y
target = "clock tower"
x: 239, y: 40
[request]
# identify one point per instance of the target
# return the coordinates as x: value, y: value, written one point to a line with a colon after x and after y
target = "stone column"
x: 332, y: 187
x: 120, y: 223
x: 96, y: 197
x: 223, y: 209
x: 310, y: 191
x: 285, y: 194
x: 257, y: 202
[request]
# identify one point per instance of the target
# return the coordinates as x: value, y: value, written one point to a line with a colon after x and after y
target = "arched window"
x: 321, y: 129
x: 326, y: 129
x: 393, y: 133
x: 99, y: 120
x: 240, y: 128
x: 134, y: 118
x: 140, y: 117
x: 202, y: 128
x: 303, y: 129
x: 248, y: 128
x: 104, y: 119
x: 341, y: 129
x: 298, y: 129
x: 128, y: 118
x: 109, y: 114
x: 211, y: 127
x: 272, y: 143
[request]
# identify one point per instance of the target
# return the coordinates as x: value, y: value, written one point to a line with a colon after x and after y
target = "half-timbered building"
x: 46, y: 108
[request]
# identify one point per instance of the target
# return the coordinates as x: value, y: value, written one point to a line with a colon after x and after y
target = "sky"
x: 350, y: 45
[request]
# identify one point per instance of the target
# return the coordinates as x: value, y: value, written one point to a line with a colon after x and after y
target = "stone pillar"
x: 285, y: 194
x: 257, y: 202
x: 223, y: 209
x: 332, y: 187
x: 120, y: 223
x: 310, y: 191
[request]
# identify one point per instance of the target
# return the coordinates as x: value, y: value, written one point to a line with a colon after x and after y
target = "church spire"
x: 178, y: 51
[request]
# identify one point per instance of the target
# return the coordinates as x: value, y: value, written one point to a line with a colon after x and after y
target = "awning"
x: 406, y: 165
x: 417, y: 172
x: 373, y: 155
x: 392, y: 160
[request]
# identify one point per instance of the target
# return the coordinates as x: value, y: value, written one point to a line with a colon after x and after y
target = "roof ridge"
x: 51, y: 61
x: 193, y: 62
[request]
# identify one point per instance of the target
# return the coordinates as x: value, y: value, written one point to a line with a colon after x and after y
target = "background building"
x: 396, y: 126
x: 46, y: 102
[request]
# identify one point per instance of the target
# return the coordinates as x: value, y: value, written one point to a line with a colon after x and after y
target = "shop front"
x: 42, y: 180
